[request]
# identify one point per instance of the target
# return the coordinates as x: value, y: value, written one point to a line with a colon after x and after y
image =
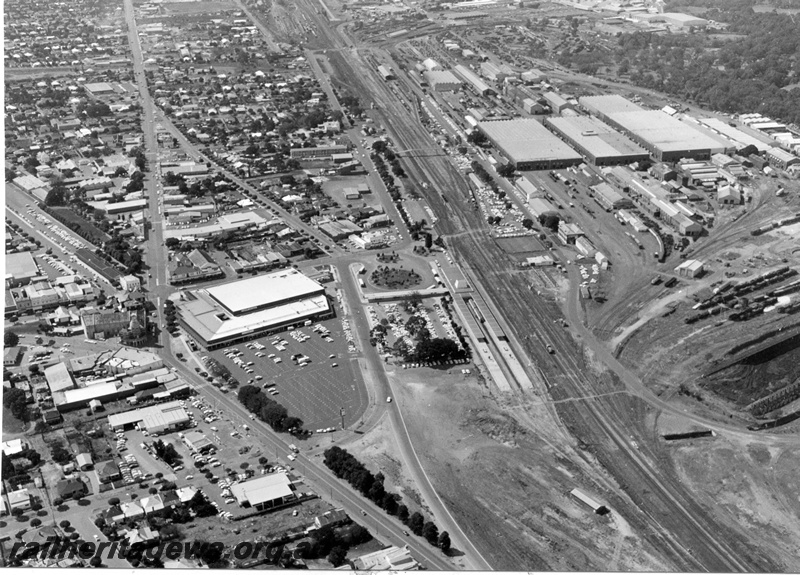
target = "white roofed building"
x: 265, y: 492
x: 248, y: 308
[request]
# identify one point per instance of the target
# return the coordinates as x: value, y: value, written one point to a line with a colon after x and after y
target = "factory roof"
x: 527, y: 140
x: 743, y: 139
x: 665, y: 132
x: 471, y: 77
x: 264, y: 291
x: 597, y: 138
x: 441, y: 77
x: 608, y: 104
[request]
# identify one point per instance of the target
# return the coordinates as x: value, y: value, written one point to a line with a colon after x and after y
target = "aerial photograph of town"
x: 480, y: 285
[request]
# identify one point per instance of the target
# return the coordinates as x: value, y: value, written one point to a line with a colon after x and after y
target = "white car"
x: 388, y: 400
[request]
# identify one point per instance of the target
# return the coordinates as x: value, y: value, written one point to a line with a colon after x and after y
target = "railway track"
x: 686, y: 533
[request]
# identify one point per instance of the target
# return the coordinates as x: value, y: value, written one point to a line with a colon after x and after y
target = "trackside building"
x: 529, y: 145
x: 667, y: 138
x: 246, y: 309
x: 600, y: 144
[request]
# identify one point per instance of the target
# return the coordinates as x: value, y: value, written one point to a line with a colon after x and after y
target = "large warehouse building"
x: 442, y: 80
x: 249, y: 308
x: 665, y: 137
x: 599, y: 143
x: 529, y: 145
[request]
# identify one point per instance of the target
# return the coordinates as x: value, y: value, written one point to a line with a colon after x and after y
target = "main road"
x: 318, y: 477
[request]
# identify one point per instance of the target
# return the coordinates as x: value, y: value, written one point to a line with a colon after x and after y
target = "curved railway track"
x: 685, y: 532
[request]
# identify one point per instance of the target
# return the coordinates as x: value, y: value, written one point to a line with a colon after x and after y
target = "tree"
x: 10, y: 339
x: 549, y: 221
x: 416, y: 522
x: 506, y: 170
x: 437, y: 349
x: 337, y: 556
x: 389, y: 503
x: 444, y: 541
x: 8, y: 469
x: 14, y: 401
x: 55, y: 197
x: 65, y: 524
x: 527, y: 223
x: 172, y: 243
x: 430, y: 532
x: 35, y: 522
x: 402, y: 513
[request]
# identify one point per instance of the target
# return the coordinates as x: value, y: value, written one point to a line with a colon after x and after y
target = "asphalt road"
x: 317, y: 476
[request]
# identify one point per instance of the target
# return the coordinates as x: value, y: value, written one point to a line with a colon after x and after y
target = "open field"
x: 535, y: 523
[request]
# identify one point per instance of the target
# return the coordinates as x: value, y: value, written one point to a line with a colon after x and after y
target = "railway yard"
x: 567, y: 361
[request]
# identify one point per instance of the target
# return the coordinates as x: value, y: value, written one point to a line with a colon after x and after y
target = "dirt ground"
x: 525, y: 461
x: 755, y: 482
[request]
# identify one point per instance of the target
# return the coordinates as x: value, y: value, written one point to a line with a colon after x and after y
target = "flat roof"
x: 96, y: 391
x: 207, y: 319
x: 264, y: 291
x: 666, y: 132
x: 527, y: 140
x: 265, y: 488
x: 596, y: 137
x: 58, y: 377
x: 742, y: 138
x: 21, y: 264
x: 608, y: 104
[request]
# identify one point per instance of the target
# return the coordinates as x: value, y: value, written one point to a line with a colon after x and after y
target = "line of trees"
x: 268, y: 410
x: 345, y: 466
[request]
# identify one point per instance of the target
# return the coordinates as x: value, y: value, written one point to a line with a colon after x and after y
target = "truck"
x: 293, y: 448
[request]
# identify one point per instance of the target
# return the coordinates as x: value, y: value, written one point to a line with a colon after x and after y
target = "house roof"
x: 68, y: 486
